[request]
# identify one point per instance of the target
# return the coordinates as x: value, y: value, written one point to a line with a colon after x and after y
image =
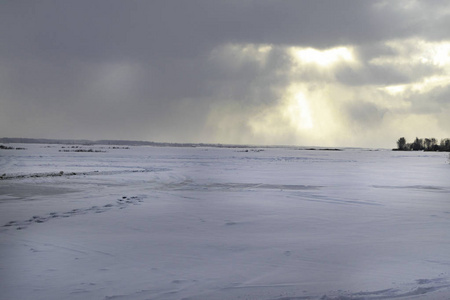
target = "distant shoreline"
x: 7, y: 140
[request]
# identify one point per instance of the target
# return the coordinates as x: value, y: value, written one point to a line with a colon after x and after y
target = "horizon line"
x: 122, y: 142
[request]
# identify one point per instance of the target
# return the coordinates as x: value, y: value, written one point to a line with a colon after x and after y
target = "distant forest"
x: 428, y: 144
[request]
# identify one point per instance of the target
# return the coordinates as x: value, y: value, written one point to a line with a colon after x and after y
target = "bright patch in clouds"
x: 414, y: 54
x: 310, y: 106
x: 421, y: 87
x: 323, y: 58
x: 415, y: 51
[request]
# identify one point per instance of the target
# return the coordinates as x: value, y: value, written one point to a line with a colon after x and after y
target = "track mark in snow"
x: 389, y: 293
x: 120, y: 204
x: 428, y: 281
x: 414, y: 187
x: 443, y: 263
x: 295, y: 298
x: 375, y: 293
x: 230, y: 186
x: 332, y: 200
x: 88, y: 173
x: 421, y: 287
x: 230, y: 223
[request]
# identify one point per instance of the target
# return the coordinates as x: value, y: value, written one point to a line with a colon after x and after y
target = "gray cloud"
x: 364, y: 114
x: 166, y: 29
x: 147, y: 70
x: 384, y: 75
x: 435, y: 102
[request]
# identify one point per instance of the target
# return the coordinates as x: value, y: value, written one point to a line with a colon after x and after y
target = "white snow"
x: 222, y: 223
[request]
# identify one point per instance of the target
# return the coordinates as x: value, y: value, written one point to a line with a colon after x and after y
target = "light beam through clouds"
x: 331, y: 73
x: 313, y: 107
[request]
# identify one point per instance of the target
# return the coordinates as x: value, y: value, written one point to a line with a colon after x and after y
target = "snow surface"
x: 223, y: 223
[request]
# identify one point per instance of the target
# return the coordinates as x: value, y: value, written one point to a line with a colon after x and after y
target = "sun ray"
x: 298, y: 112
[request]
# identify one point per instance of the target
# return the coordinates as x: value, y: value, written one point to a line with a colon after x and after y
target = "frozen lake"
x: 223, y: 223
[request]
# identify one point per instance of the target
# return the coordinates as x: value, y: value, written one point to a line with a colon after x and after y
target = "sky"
x: 309, y: 73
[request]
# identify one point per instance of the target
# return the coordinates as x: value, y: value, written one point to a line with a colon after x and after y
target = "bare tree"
x: 401, y: 143
x: 434, y: 145
x: 445, y: 145
x: 418, y: 144
x: 427, y: 144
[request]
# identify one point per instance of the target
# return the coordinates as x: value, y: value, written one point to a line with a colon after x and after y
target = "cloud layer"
x: 332, y: 73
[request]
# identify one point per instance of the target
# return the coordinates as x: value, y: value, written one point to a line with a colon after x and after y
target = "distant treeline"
x: 427, y: 144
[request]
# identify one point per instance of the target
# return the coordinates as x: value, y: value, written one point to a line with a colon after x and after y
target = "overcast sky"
x: 324, y: 73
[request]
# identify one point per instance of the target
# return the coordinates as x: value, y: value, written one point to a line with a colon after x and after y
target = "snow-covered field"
x: 222, y: 223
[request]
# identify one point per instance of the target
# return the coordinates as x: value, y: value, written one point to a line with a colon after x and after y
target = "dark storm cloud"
x: 146, y: 69
x: 102, y: 30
